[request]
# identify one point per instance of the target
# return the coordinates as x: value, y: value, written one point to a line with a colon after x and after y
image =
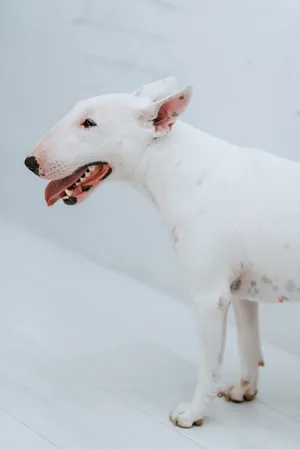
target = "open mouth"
x: 75, y: 188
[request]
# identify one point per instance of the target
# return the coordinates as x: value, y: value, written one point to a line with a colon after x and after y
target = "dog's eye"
x: 88, y: 123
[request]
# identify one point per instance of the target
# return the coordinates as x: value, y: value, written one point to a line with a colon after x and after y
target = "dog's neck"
x: 173, y: 168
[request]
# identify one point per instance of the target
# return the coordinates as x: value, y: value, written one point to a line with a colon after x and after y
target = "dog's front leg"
x: 211, y: 313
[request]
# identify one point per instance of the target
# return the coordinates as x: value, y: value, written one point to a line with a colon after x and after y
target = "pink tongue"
x: 55, y: 188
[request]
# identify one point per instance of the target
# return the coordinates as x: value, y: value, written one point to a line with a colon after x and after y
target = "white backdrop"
x: 243, y: 59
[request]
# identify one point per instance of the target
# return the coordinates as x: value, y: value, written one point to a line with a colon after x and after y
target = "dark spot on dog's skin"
x: 253, y: 290
x: 275, y: 288
x: 235, y: 285
x: 70, y: 201
x: 290, y: 286
x: 86, y: 188
x: 174, y: 114
x: 181, y: 97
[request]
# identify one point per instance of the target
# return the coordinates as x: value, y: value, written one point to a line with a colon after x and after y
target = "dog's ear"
x: 157, y: 90
x: 164, y: 113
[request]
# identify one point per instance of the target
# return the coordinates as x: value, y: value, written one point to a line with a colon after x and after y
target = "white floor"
x: 90, y: 359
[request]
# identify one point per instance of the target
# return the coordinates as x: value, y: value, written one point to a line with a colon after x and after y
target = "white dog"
x: 233, y: 213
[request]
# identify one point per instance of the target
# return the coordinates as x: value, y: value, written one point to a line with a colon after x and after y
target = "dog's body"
x: 232, y: 214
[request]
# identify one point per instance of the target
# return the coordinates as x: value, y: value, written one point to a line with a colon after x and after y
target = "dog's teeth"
x: 69, y: 192
x: 87, y: 173
x: 92, y: 167
x: 82, y: 177
x: 65, y: 197
x: 77, y: 183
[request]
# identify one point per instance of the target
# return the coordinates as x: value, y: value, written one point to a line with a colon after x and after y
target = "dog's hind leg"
x: 247, y: 325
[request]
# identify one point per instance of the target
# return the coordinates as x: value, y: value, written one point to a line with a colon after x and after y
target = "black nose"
x: 32, y: 164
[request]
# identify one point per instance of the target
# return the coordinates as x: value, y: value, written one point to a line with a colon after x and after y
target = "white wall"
x: 242, y: 57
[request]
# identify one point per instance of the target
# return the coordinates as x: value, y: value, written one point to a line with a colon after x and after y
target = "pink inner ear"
x: 168, y: 113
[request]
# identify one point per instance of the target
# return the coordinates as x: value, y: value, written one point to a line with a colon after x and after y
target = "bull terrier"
x: 232, y: 214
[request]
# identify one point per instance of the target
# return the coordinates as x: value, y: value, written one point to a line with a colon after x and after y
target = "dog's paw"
x: 242, y: 391
x: 184, y: 416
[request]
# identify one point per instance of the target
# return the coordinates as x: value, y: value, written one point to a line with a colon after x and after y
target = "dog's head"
x: 102, y: 136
